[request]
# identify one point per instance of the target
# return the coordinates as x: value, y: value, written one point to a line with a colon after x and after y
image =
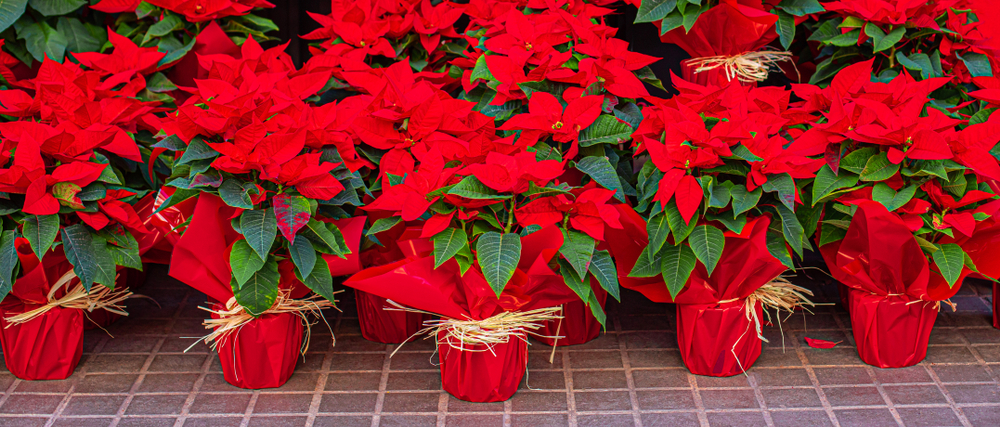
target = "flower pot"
x: 480, y: 374
x: 47, y: 347
x: 578, y: 326
x: 891, y: 331
x: 263, y: 353
x: 386, y: 326
x: 717, y: 339
x: 845, y: 295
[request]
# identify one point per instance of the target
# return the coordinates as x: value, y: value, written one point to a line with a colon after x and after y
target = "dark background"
x: 291, y: 17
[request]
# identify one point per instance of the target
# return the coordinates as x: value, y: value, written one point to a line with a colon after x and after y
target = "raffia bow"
x: 482, y: 335
x: 747, y: 67
x: 100, y: 297
x: 234, y: 317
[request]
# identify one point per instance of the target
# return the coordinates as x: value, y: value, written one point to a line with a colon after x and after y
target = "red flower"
x: 546, y: 116
x: 505, y: 173
x: 588, y: 211
x: 207, y: 10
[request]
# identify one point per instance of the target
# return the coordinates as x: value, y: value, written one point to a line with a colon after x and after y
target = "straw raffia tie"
x: 747, y: 67
x: 234, y: 317
x: 937, y: 304
x: 778, y: 294
x: 100, y: 297
x: 482, y: 335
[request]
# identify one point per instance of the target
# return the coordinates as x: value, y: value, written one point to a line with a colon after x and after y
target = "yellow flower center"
x: 557, y: 125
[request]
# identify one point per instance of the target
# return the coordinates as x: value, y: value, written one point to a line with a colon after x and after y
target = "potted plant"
x: 720, y: 193
x: 72, y: 229
x: 898, y: 190
x: 258, y: 159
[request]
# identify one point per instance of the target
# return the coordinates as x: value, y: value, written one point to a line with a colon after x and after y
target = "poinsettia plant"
x: 72, y: 168
x: 884, y: 141
x: 717, y: 157
x: 247, y: 136
x: 926, y: 40
x: 34, y: 30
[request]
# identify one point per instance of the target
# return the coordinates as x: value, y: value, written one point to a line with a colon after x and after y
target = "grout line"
x: 76, y: 377
x: 249, y: 409
x: 442, y: 413
x: 507, y: 409
x: 570, y: 393
x: 186, y: 407
x: 324, y: 375
x: 752, y: 379
x: 947, y: 395
x: 698, y: 403
x: 827, y: 407
x: 629, y: 379
x: 382, y: 385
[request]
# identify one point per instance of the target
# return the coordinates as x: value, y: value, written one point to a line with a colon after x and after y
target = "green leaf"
x: 977, y: 63
x: 889, y: 198
x: 173, y: 49
x: 657, y: 229
x: 447, y: 244
x: 720, y: 195
x: 243, y: 262
x: 793, y: 230
x: 320, y: 280
x: 56, y: 7
x: 580, y: 287
x: 605, y: 130
x: 303, y: 255
x: 236, y: 193
x: 464, y: 258
x: 481, y: 70
x: 654, y: 10
x: 165, y: 26
x: 196, y: 150
x: 42, y: 40
x: 78, y: 244
x: 81, y: 37
x: 10, y: 11
x: 856, y: 160
x: 383, y: 224
x: 292, y: 212
x: 707, y: 243
x: 677, y: 264
x: 597, y: 310
x: 41, y: 232
x: 827, y: 182
x: 744, y: 153
x: 801, y: 7
x: 159, y: 83
x: 126, y: 256
x: 600, y: 170
x: 578, y: 249
x: 784, y: 185
x: 8, y: 262
x: 672, y: 21
x: 777, y: 247
x: 949, y: 259
x: 257, y: 295
x: 647, y: 265
x: 104, y: 268
x: 260, y: 227
x: 604, y: 270
x: 981, y: 116
x: 881, y: 40
x: 744, y: 200
x: 785, y: 27
x: 879, y: 168
x: 498, y: 257
x: 917, y: 62
x: 471, y: 188
x: 327, y: 236
x: 677, y: 225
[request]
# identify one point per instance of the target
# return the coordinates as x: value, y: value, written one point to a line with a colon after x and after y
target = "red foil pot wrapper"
x: 262, y: 353
x: 480, y: 374
x: 891, y: 331
x: 157, y: 244
x: 578, y: 325
x: 47, y: 347
x: 717, y: 339
x: 386, y: 326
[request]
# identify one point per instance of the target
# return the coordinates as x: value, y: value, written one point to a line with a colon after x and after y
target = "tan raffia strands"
x: 747, y: 67
x: 100, y: 297
x: 234, y: 317
x: 482, y: 335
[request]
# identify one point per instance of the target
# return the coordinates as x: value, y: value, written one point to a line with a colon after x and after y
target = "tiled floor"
x: 632, y: 375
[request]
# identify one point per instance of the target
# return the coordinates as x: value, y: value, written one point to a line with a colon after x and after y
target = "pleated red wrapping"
x: 884, y: 266
x: 263, y: 353
x: 386, y: 326
x: 480, y: 374
x: 578, y: 326
x: 47, y: 347
x: 717, y: 339
x: 891, y: 331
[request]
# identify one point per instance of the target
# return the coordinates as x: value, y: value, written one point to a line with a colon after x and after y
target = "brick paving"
x: 632, y: 375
